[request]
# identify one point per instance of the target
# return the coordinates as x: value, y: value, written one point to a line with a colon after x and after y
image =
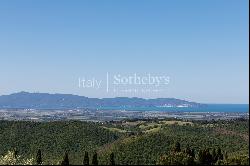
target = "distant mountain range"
x: 69, y: 101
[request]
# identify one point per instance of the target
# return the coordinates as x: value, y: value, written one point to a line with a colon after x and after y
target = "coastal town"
x: 97, y: 115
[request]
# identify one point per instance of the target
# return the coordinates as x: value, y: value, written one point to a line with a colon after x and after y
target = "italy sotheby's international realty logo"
x: 127, y: 83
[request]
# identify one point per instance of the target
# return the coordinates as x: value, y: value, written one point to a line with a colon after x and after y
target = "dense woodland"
x: 131, y: 142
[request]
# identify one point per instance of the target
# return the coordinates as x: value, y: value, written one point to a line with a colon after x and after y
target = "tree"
x: 177, y: 147
x: 193, y: 153
x: 15, y: 153
x: 208, y: 157
x: 188, y: 151
x: 86, y: 159
x: 13, y: 159
x: 214, y: 156
x: 235, y: 160
x: 94, y: 159
x: 204, y: 157
x: 219, y: 154
x: 112, y: 159
x: 225, y: 157
x: 65, y: 159
x: 39, y: 157
x: 201, y: 158
x: 176, y: 158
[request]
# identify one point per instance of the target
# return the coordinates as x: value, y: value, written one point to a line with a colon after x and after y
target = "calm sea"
x: 205, y: 108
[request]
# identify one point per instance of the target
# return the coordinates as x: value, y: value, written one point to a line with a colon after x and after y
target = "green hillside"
x: 158, y: 140
x: 53, y: 138
x: 131, y: 142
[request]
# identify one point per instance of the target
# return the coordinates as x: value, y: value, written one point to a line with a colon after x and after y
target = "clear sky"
x: 45, y: 45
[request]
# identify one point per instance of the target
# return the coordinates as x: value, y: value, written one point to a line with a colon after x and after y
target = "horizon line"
x: 50, y: 93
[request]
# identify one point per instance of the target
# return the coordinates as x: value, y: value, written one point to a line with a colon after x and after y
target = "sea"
x: 237, y: 108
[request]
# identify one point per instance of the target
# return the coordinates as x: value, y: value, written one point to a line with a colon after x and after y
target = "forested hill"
x: 53, y: 138
x: 69, y: 101
x: 131, y: 142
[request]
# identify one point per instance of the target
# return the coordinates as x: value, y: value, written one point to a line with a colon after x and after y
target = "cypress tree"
x: 39, y: 157
x: 94, y: 159
x: 112, y: 159
x: 177, y: 147
x: 201, y: 158
x: 225, y: 156
x: 219, y: 154
x: 208, y: 157
x: 65, y: 159
x: 214, y: 156
x: 15, y: 153
x: 188, y: 151
x: 86, y: 159
x: 193, y: 153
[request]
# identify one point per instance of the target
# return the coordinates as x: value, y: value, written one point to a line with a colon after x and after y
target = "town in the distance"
x: 53, y: 107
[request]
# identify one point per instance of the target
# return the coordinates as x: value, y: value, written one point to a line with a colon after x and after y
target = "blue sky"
x: 47, y: 45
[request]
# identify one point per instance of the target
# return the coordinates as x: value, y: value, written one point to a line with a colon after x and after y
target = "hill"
x: 132, y: 142
x: 157, y: 138
x: 53, y: 138
x: 69, y: 101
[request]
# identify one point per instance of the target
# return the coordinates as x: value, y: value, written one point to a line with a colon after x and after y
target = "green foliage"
x: 177, y: 147
x: 148, y: 147
x: 65, y: 161
x: 204, y: 157
x: 11, y: 158
x: 219, y: 155
x: 234, y: 160
x: 112, y: 159
x: 54, y: 138
x: 95, y: 159
x: 176, y: 158
x: 137, y: 150
x: 86, y: 159
x: 39, y: 157
x: 212, y: 142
